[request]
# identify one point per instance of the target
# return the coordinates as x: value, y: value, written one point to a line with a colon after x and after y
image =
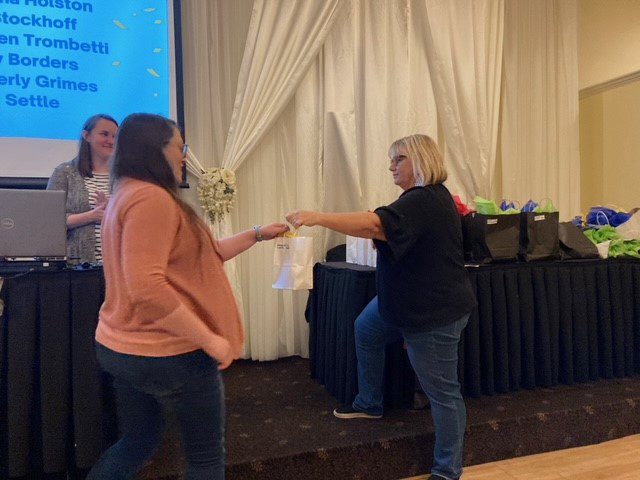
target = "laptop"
x: 32, y: 225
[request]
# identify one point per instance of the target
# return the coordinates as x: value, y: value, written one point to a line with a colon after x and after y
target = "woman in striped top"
x: 86, y: 181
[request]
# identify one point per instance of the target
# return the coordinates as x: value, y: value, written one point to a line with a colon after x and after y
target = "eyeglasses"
x: 396, y: 160
x: 185, y: 150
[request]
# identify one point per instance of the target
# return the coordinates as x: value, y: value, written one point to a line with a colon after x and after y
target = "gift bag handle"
x: 606, y: 219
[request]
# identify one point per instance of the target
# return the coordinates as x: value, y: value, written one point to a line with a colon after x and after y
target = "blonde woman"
x: 424, y: 294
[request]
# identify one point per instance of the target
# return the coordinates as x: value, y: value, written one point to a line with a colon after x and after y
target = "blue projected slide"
x: 62, y: 61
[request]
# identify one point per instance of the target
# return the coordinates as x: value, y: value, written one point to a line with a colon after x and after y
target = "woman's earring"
x: 419, y: 181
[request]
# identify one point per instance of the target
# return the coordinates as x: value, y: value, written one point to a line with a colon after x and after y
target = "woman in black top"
x: 424, y: 294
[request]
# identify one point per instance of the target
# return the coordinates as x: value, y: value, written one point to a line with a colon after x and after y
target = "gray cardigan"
x: 81, y: 241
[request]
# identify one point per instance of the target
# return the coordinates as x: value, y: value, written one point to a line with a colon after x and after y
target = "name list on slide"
x: 44, y: 55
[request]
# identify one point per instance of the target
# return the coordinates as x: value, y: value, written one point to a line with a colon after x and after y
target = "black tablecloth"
x: 536, y: 325
x: 52, y: 398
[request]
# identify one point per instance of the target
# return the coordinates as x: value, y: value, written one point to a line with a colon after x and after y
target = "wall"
x: 608, y: 46
x: 610, y: 147
x: 621, y: 145
x: 608, y: 40
x: 591, y: 151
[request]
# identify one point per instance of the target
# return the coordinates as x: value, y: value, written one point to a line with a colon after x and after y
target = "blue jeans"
x: 191, y: 385
x: 433, y: 353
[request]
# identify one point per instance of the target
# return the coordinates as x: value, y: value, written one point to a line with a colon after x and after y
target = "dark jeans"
x: 433, y: 353
x: 190, y: 385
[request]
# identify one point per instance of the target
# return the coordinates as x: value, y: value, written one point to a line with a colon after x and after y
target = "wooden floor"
x: 617, y: 459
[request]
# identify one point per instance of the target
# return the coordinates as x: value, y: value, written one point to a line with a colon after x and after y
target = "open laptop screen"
x: 32, y: 224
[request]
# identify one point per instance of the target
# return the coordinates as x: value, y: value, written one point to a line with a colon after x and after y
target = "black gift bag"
x: 574, y: 243
x: 491, y: 238
x: 539, y: 236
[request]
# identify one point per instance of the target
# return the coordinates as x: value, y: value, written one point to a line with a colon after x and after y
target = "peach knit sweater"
x: 166, y: 289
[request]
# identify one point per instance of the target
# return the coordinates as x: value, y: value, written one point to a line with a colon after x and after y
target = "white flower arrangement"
x: 217, y: 192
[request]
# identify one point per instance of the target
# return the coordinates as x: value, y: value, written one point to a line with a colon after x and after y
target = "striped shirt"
x: 98, y: 183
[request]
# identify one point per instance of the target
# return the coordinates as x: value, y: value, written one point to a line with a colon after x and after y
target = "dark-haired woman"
x: 86, y: 181
x: 169, y: 322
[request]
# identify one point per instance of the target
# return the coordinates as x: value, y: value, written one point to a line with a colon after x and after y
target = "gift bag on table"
x: 630, y: 230
x: 539, y: 236
x: 603, y: 248
x: 574, y: 243
x: 361, y: 251
x: 491, y: 238
x: 293, y: 263
x: 604, y: 216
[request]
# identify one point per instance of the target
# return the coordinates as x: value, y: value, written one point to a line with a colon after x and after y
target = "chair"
x: 337, y: 253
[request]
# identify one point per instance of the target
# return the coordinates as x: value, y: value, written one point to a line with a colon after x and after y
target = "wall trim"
x: 609, y: 84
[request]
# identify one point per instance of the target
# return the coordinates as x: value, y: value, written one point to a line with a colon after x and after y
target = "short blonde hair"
x: 428, y: 164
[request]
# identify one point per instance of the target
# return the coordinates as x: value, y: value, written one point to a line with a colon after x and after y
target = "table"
x: 537, y: 324
x: 54, y: 403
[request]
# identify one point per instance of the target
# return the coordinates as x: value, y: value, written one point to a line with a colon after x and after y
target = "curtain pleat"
x: 539, y: 123
x: 463, y: 44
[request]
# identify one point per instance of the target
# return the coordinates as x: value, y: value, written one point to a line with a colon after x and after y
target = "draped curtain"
x: 377, y: 88
x: 463, y: 43
x: 283, y: 39
x: 214, y: 35
x: 316, y: 108
x: 539, y: 127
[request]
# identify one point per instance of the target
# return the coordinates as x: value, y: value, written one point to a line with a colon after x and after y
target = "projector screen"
x: 62, y: 61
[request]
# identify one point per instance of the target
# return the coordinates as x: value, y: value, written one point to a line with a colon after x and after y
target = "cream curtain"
x: 214, y: 35
x: 539, y: 127
x: 283, y: 38
x: 463, y: 43
x: 368, y: 86
x: 377, y: 89
x: 323, y: 145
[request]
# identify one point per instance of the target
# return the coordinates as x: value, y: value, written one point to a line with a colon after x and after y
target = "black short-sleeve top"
x: 420, y: 277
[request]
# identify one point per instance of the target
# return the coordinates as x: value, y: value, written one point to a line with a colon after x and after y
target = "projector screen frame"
x: 41, y: 182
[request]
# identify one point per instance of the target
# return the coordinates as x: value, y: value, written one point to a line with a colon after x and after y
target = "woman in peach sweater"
x: 169, y: 321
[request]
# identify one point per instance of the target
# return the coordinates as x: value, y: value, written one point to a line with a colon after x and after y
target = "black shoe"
x: 347, y: 412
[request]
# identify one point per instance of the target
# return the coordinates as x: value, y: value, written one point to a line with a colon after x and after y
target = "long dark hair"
x: 139, y: 154
x: 83, y: 162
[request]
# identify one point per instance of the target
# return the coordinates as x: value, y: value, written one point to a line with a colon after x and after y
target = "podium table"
x: 537, y: 324
x: 53, y: 404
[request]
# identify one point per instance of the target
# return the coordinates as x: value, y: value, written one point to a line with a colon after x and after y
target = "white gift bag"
x: 630, y: 230
x: 293, y: 263
x: 603, y: 248
x: 361, y: 251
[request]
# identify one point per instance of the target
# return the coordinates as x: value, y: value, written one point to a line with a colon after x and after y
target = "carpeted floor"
x: 280, y: 426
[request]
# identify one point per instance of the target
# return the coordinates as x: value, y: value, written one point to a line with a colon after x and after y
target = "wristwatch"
x: 259, y: 237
